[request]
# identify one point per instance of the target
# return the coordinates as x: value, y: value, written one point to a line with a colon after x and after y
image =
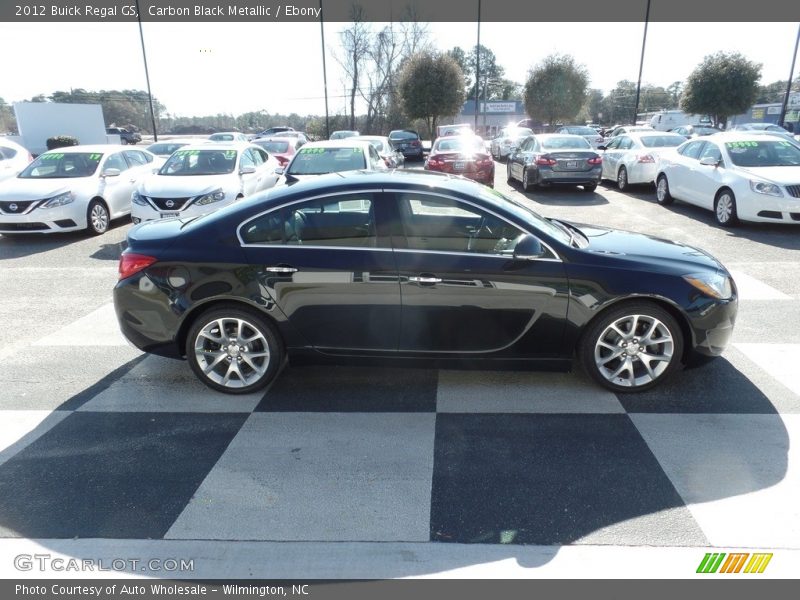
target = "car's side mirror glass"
x: 709, y: 161
x: 111, y: 172
x: 279, y: 171
x: 247, y: 170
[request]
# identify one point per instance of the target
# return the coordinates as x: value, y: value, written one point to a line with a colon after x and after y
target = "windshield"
x: 273, y: 146
x: 166, y: 148
x: 55, y: 165
x: 316, y: 161
x: 523, y: 212
x: 460, y: 144
x: 565, y: 143
x: 517, y: 132
x: 200, y: 162
x: 662, y: 141
x: 763, y: 154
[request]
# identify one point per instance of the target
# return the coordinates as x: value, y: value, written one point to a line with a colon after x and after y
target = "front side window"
x: 339, y: 221
x: 692, y: 149
x: 116, y: 161
x: 446, y: 225
x: 711, y: 151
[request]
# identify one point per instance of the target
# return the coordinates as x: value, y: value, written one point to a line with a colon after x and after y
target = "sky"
x: 200, y: 69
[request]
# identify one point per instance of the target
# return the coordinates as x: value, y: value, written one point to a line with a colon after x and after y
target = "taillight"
x: 645, y: 158
x: 131, y: 263
x: 597, y: 160
x: 434, y: 162
x: 546, y: 161
x: 387, y: 162
x: 416, y: 143
x: 282, y: 159
x: 485, y: 161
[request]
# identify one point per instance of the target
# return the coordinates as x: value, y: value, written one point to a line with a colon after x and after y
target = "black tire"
x: 663, y: 197
x: 98, y: 219
x: 589, y: 187
x: 526, y: 184
x: 725, y: 208
x: 606, y: 363
x: 622, y: 179
x: 202, y: 351
x: 509, y: 177
x: 123, y: 141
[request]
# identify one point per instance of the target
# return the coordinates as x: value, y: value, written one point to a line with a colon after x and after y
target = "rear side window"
x: 342, y: 221
x: 692, y: 149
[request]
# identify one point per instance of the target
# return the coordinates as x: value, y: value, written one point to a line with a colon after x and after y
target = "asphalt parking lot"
x: 391, y: 472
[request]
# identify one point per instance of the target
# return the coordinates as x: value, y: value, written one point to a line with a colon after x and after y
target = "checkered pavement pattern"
x: 132, y: 447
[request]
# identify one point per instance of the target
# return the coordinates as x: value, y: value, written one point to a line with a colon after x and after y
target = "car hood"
x: 646, y: 249
x: 781, y: 175
x: 36, y: 189
x: 167, y: 186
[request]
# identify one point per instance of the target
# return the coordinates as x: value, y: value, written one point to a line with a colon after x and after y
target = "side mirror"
x: 602, y: 147
x: 111, y: 172
x: 709, y: 161
x: 247, y: 170
x: 528, y: 248
x: 279, y: 170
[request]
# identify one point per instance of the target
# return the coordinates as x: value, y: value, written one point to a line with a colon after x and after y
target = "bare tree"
x: 356, y: 46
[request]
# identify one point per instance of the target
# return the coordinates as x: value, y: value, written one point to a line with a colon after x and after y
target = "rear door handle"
x: 281, y: 269
x: 425, y: 279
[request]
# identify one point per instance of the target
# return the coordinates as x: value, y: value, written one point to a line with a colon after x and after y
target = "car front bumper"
x: 762, y: 208
x: 70, y: 217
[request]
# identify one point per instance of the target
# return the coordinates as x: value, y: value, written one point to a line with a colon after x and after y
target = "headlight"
x: 59, y: 200
x: 762, y: 187
x: 210, y: 197
x: 137, y: 198
x: 715, y: 285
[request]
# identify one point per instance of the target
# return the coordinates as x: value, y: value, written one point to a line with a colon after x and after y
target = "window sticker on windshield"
x: 95, y: 157
x: 187, y: 152
x: 230, y: 154
x: 56, y: 156
x: 312, y: 150
x: 742, y: 144
x: 357, y: 150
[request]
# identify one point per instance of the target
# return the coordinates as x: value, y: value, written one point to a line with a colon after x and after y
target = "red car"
x: 282, y: 148
x: 462, y: 155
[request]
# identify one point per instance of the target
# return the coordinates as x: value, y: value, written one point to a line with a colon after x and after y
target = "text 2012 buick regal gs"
x: 404, y: 265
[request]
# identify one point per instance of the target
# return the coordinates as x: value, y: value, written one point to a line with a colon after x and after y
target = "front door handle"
x: 425, y: 280
x: 281, y: 269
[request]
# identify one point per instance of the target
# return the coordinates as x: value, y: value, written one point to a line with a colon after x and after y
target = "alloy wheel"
x: 232, y: 352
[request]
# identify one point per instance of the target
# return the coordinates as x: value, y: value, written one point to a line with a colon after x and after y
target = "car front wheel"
x: 725, y: 209
x: 663, y: 197
x: 233, y: 350
x: 97, y: 218
x: 632, y: 348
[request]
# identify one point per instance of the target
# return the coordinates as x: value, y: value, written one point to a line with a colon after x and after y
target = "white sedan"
x: 13, y: 158
x: 73, y: 188
x: 631, y: 158
x: 203, y: 178
x: 737, y: 175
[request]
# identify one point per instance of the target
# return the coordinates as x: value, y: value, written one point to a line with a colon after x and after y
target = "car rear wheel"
x: 526, y: 180
x: 663, y: 197
x: 725, y: 209
x: 233, y: 350
x: 631, y: 348
x: 622, y: 179
x: 97, y: 218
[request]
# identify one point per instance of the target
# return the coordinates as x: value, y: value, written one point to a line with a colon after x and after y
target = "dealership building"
x: 492, y: 115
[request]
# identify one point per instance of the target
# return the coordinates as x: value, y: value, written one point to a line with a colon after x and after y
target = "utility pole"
x: 478, y: 66
x: 324, y: 72
x: 146, y: 72
x: 789, y: 83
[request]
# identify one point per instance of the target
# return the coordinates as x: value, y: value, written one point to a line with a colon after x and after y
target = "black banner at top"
x: 287, y: 11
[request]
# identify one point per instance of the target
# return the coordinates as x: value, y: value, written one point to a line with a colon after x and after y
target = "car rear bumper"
x: 570, y: 177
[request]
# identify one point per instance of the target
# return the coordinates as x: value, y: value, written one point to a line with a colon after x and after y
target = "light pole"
x: 478, y: 66
x: 641, y: 64
x: 324, y: 72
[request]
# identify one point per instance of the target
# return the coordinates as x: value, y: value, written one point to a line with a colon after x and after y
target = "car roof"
x: 218, y: 146
x: 651, y: 133
x: 545, y: 136
x: 744, y: 136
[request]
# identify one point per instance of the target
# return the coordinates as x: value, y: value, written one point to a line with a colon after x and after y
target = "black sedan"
x: 416, y: 266
x: 555, y: 158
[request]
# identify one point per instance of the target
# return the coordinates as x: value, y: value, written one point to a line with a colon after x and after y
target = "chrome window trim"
x: 501, y: 217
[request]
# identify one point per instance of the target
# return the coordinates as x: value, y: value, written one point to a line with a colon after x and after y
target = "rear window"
x: 662, y: 141
x: 316, y: 161
x: 276, y: 147
x: 460, y: 144
x: 403, y: 135
x: 582, y: 131
x: 166, y: 148
x: 7, y: 153
x: 565, y: 143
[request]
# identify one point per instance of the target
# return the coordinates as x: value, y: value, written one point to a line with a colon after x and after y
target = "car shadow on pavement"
x: 505, y: 485
x: 29, y: 244
x: 563, y: 196
x: 110, y: 251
